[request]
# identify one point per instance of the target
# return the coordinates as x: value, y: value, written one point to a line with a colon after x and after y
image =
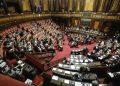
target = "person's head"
x: 95, y: 83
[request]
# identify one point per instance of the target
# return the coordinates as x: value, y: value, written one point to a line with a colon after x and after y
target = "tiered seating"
x: 72, y: 75
x: 19, y: 71
x: 107, y: 52
x: 80, y: 39
x: 25, y: 38
x: 78, y: 68
x: 84, y: 30
x: 105, y: 57
x: 58, y: 81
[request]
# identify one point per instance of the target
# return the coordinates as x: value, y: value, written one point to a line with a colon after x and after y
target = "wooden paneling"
x: 78, y: 5
x: 89, y: 5
x: 115, y: 5
x: 37, y: 2
x: 26, y: 5
x: 96, y: 5
x: 51, y: 5
x: 8, y: 19
x: 45, y: 5
x: 63, y: 5
x: 96, y: 24
x: 57, y: 5
x: 101, y: 5
x: 70, y: 5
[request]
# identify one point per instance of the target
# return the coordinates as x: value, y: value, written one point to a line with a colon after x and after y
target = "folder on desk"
x: 22, y: 64
x: 54, y: 69
x: 90, y: 60
x: 28, y: 81
x: 19, y: 62
x: 66, y: 66
x: 84, y: 64
x: 72, y: 67
x: 111, y: 75
x: 72, y: 57
x: 66, y: 81
x: 67, y: 72
x: 81, y: 60
x: 78, y: 84
x: 60, y: 65
x: 86, y: 60
x: 76, y: 63
x: 87, y: 84
x: 77, y: 67
x: 80, y: 56
x: 59, y: 70
x: 103, y: 85
x: 77, y: 60
x: 73, y: 73
x: 76, y: 57
x: 55, y: 78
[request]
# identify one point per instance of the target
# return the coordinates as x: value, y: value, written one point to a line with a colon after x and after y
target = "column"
x: 115, y: 6
x: 32, y: 6
x: 82, y: 4
x: 57, y: 5
x: 51, y: 5
x: 20, y: 6
x: 106, y: 4
x: 109, y: 4
x: 66, y: 5
x: 5, y: 6
x: 78, y: 5
x: 89, y: 5
x: 101, y: 5
x: 60, y: 5
x: 74, y: 5
x: 70, y: 5
x: 41, y: 5
x: 96, y: 5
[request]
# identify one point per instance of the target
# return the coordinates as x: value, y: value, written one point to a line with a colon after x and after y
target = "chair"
x: 38, y: 80
x: 12, y: 62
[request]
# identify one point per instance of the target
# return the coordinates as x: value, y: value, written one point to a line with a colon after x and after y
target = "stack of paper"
x: 55, y: 77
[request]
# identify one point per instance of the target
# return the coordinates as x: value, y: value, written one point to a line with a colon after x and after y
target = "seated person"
x: 77, y: 76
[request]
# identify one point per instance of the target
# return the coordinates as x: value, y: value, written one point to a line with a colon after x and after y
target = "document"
x: 72, y: 67
x: 67, y: 72
x: 66, y: 81
x: 78, y: 84
x: 55, y: 77
x: 60, y: 65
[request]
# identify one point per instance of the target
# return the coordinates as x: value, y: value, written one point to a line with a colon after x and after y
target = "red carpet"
x: 66, y: 50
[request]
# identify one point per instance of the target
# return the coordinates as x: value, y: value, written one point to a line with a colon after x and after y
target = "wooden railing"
x: 85, y: 15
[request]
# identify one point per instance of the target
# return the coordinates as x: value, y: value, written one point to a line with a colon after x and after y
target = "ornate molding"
x: 66, y: 15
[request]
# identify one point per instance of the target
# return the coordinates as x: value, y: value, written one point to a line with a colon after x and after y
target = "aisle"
x: 66, y: 50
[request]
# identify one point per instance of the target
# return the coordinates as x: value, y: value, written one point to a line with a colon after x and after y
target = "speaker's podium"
x: 40, y: 60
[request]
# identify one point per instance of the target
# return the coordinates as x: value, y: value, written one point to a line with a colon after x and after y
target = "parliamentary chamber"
x: 56, y: 34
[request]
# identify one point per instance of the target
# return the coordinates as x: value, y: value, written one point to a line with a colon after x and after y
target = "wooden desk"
x: 40, y: 60
x: 95, y: 67
x: 58, y: 81
x: 70, y: 74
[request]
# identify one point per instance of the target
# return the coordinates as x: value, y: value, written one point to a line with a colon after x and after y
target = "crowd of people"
x: 20, y: 70
x: 80, y: 39
x: 40, y: 36
x: 84, y: 30
x: 105, y: 54
x: 107, y: 51
x: 35, y: 37
x: 43, y: 36
x: 83, y: 35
